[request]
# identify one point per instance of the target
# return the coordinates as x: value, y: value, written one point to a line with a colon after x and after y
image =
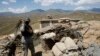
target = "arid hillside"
x: 9, y: 20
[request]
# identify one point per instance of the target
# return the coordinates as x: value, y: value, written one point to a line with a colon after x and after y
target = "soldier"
x: 27, y: 41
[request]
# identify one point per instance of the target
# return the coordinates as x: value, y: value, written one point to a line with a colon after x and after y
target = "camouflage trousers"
x: 28, y: 44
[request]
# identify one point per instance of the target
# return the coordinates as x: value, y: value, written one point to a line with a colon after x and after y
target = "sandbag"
x: 56, y: 51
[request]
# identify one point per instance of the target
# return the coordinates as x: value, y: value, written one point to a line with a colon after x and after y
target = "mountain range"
x: 50, y: 11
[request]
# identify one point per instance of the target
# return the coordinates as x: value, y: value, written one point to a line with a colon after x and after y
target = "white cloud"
x: 12, y: 0
x: 18, y: 10
x: 4, y: 2
x: 67, y: 2
x: 45, y: 2
x: 80, y: 8
x: 87, y: 2
x: 50, y: 2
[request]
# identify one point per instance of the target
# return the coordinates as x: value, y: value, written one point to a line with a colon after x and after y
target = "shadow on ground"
x: 38, y: 53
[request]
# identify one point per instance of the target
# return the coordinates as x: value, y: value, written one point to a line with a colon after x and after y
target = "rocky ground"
x: 90, y: 31
x: 90, y: 44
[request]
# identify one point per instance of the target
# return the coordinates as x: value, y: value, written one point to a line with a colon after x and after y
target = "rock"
x: 70, y: 44
x: 63, y: 39
x: 80, y: 44
x: 48, y: 35
x: 89, y: 51
x: 73, y: 54
x: 96, y: 52
x: 93, y: 50
x: 65, y: 55
x: 61, y: 47
x: 56, y: 51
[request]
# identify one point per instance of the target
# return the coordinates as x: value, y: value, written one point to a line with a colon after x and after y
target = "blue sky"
x: 21, y: 6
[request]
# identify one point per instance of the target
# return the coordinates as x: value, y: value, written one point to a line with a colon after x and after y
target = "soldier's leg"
x: 32, y: 49
x: 24, y: 46
x: 25, y: 50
